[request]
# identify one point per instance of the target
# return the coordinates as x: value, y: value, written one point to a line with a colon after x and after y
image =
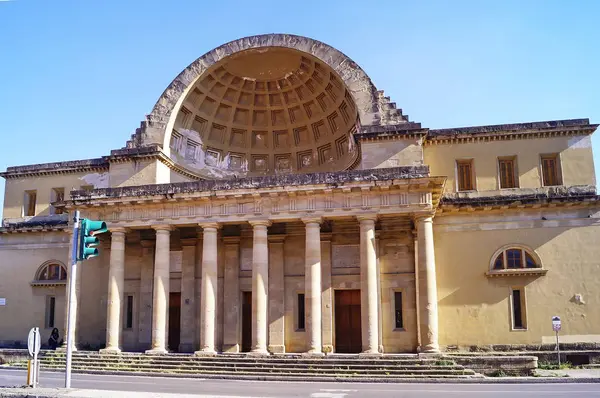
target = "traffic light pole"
x: 72, y: 298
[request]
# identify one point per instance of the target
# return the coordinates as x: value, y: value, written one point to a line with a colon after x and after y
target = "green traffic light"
x: 93, y: 227
x: 87, y: 238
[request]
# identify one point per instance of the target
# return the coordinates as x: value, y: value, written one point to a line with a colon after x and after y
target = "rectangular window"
x: 129, y: 313
x: 50, y: 311
x: 398, y: 310
x: 301, y: 312
x: 465, y: 177
x: 550, y: 170
x: 29, y: 203
x: 518, y: 309
x: 508, y: 174
x: 57, y: 195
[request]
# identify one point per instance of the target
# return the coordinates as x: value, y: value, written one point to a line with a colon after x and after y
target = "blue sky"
x: 77, y: 77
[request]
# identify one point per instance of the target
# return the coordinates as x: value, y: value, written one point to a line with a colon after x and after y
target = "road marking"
x: 327, y: 395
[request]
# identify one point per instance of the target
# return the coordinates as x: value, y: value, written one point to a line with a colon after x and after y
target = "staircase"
x: 282, y: 367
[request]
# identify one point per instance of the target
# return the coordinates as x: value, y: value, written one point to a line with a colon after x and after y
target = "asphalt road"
x: 250, y: 389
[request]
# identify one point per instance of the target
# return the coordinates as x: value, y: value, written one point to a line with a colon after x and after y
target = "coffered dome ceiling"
x: 265, y: 111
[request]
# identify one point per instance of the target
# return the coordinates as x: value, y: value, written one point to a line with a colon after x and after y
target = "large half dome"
x: 265, y: 111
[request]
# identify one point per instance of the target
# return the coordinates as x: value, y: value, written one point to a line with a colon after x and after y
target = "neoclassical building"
x: 276, y: 201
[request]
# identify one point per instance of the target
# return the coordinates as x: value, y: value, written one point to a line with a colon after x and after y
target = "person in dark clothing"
x: 53, y: 340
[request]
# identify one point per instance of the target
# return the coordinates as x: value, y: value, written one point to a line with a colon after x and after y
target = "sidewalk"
x: 80, y: 393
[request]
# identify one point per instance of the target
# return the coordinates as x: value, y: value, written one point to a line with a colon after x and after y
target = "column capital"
x: 260, y: 223
x: 231, y: 240
x: 312, y: 220
x: 279, y: 238
x: 162, y: 227
x: 426, y: 217
x: 188, y: 241
x: 366, y: 217
x: 118, y: 230
x: 209, y: 225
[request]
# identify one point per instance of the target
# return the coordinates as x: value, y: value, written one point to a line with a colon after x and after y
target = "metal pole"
x: 34, y: 377
x: 558, y: 349
x: 72, y: 298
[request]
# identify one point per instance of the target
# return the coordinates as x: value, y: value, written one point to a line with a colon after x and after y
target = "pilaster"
x: 188, y: 295
x: 276, y: 294
x: 327, y: 294
x: 231, y: 302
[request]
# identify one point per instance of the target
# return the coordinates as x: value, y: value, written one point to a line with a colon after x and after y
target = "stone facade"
x: 275, y: 201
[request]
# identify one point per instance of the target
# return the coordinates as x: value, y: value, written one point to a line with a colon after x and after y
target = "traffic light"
x: 87, y: 238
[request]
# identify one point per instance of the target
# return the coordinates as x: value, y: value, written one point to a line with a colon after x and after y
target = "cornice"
x: 44, y: 169
x: 505, y: 132
x: 527, y: 198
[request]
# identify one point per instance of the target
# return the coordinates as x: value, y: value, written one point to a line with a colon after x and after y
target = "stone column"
x: 116, y: 282
x: 428, y: 286
x: 260, y: 286
x: 67, y: 295
x: 209, y: 290
x: 160, y: 302
x: 188, y: 295
x: 312, y: 285
x: 231, y: 302
x: 327, y: 294
x: 146, y: 287
x: 368, y: 285
x: 276, y: 295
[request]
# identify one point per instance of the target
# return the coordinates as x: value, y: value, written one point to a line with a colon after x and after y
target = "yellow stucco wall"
x: 21, y: 256
x: 475, y: 309
x: 575, y: 154
x: 15, y: 188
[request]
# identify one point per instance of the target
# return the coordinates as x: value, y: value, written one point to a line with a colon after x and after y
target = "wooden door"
x: 348, y: 337
x: 246, y: 321
x: 174, y: 321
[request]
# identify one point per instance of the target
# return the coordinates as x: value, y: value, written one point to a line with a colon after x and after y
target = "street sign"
x: 34, y: 341
x: 556, y: 323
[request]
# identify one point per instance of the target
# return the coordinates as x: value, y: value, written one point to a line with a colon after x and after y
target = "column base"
x: 258, y: 353
x: 110, y: 350
x: 231, y: 348
x: 205, y: 353
x: 277, y: 349
x: 156, y: 351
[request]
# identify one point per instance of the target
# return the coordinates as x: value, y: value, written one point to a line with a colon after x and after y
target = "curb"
x: 323, y: 379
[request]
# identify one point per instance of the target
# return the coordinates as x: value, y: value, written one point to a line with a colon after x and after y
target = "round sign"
x: 34, y: 341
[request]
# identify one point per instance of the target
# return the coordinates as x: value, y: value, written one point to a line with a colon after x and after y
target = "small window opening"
x: 301, y: 312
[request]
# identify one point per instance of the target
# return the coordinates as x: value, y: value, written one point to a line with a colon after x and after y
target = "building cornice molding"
x: 527, y: 198
x: 505, y: 132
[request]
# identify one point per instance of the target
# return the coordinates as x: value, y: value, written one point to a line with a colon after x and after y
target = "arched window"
x: 515, y: 259
x: 51, y: 271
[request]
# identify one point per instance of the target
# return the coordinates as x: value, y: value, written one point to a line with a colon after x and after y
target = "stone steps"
x: 288, y: 367
x: 296, y: 371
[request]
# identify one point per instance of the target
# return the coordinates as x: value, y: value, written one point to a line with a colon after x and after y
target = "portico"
x: 274, y: 241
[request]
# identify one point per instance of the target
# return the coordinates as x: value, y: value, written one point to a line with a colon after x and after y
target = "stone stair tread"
x: 263, y: 370
x: 296, y: 374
